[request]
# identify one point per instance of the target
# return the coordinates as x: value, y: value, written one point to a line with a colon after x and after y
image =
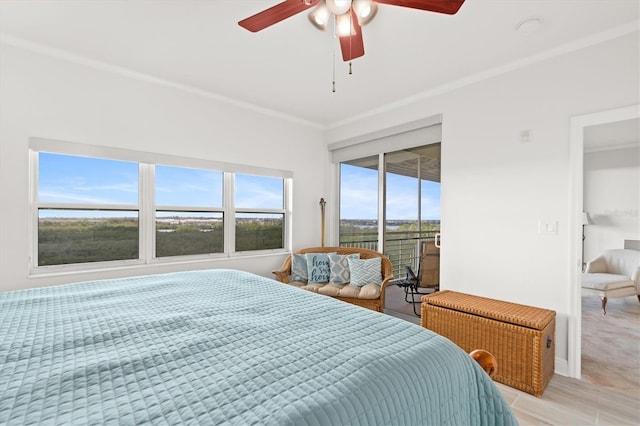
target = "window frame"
x: 425, y: 131
x: 155, y: 208
x: 147, y: 208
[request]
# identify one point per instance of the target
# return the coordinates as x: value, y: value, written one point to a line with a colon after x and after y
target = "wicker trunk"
x: 522, y: 338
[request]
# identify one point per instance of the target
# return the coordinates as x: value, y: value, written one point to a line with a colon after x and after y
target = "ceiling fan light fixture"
x: 344, y: 26
x: 348, y: 17
x: 365, y: 10
x: 339, y: 7
x: 319, y: 17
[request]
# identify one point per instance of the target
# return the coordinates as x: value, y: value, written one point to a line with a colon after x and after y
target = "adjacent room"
x: 191, y: 190
x: 611, y: 188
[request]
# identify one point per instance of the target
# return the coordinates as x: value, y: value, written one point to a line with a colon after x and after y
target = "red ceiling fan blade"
x: 450, y: 7
x: 352, y: 46
x: 275, y: 14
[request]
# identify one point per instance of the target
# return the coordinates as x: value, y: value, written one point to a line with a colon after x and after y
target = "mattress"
x: 226, y: 347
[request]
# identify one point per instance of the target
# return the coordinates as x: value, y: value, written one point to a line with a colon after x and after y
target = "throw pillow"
x: 365, y: 271
x: 299, y: 268
x: 339, y: 268
x: 318, y: 267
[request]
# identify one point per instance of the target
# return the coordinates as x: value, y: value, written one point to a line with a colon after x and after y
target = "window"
x: 88, y: 210
x: 359, y: 203
x: 81, y: 236
x: 259, y: 203
x: 189, y: 215
x: 101, y: 207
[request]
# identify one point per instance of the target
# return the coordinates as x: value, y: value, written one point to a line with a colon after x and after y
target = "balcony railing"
x: 401, y: 247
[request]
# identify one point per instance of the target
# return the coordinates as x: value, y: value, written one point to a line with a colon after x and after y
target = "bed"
x: 226, y: 347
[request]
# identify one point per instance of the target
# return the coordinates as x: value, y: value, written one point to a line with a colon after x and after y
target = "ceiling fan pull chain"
x: 350, y: 71
x: 333, y: 90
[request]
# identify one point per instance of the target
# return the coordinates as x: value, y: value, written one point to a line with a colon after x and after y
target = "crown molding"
x: 595, y: 39
x: 10, y: 40
x: 611, y: 34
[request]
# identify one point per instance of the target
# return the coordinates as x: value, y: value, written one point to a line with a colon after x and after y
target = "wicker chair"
x: 386, y: 270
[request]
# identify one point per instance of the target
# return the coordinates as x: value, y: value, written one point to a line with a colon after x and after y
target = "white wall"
x: 53, y: 98
x: 495, y: 189
x: 612, y: 198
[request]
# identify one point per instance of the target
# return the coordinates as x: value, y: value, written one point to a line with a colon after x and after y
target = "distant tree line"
x: 351, y: 231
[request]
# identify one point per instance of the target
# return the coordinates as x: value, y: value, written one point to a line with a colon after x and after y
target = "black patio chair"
x: 410, y: 285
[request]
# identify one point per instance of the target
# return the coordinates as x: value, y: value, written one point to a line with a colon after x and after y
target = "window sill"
x: 156, y: 265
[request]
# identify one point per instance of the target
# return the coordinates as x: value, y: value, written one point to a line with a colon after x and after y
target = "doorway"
x: 579, y: 125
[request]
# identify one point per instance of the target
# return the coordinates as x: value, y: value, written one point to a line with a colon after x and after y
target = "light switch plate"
x: 546, y: 227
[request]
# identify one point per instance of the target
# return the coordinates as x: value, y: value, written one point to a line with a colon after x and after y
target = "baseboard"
x: 562, y: 367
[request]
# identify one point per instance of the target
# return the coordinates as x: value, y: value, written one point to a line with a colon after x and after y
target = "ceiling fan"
x: 350, y: 16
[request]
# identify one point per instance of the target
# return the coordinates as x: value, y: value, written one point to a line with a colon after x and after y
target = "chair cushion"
x: 369, y: 291
x: 314, y: 287
x: 350, y: 291
x: 330, y: 289
x: 604, y: 282
x: 297, y: 283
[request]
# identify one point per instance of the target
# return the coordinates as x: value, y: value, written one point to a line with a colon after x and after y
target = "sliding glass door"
x: 412, y: 211
x: 401, y: 190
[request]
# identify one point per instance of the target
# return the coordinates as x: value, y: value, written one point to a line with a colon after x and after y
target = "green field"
x: 75, y: 240
x: 65, y: 241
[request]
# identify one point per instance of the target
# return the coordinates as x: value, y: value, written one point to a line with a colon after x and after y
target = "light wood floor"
x: 568, y: 401
x: 565, y: 401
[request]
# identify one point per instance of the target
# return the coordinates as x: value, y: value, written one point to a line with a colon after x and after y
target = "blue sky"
x: 72, y: 179
x: 84, y: 180
x: 359, y: 195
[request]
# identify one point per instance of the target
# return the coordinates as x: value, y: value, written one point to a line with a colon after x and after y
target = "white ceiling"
x: 287, y: 68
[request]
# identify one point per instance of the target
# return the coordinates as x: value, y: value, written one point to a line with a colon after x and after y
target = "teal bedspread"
x: 226, y: 347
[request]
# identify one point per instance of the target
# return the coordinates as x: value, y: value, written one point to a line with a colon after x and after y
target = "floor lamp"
x: 586, y: 220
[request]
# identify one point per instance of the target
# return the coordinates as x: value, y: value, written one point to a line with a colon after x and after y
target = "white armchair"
x: 615, y: 273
